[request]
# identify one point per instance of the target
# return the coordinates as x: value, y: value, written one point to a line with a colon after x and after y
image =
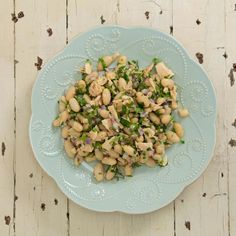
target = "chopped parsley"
x: 125, y: 122
x: 101, y: 60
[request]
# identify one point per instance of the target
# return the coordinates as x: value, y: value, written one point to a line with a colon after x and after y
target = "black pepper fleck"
x: 16, y: 198
x: 198, y: 22
x: 182, y: 200
x: 13, y: 17
x: 49, y: 30
x: 232, y: 142
x: 68, y: 215
x: 31, y: 175
x: 43, y: 206
x: 222, y: 175
x: 225, y: 55
x: 102, y: 20
x: 187, y: 225
x: 3, y: 148
x: 21, y: 14
x: 199, y: 57
x: 146, y: 14
x: 171, y: 29
x: 231, y: 74
x: 39, y: 63
x: 55, y: 201
x: 7, y: 220
x: 204, y: 194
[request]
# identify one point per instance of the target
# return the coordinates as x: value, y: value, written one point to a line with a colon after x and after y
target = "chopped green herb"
x: 125, y: 122
x: 83, y: 137
x: 97, y: 144
x: 182, y: 141
x: 101, y: 60
x: 124, y: 109
x: 126, y: 77
x: 135, y: 127
x: 156, y: 60
x: 81, y: 100
x: 135, y: 164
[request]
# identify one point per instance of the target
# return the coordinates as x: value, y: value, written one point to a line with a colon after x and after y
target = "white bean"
x: 167, y: 83
x: 62, y: 104
x: 81, y: 85
x: 90, y: 158
x: 110, y: 174
x: 121, y: 161
x: 103, y: 113
x: 183, y: 112
x: 74, y: 105
x: 154, y: 118
x: 63, y: 116
x: 129, y: 150
x: 113, y: 154
x: 82, y: 119
x: 70, y: 93
x: 77, y: 126
x: 65, y: 132
x: 73, y: 133
x: 160, y: 149
x: 118, y: 148
x: 122, y: 60
x: 128, y: 170
x: 122, y: 84
x: 150, y: 162
x: 101, y: 135
x: 143, y: 158
x: 98, y: 172
x: 174, y: 104
x: 163, y: 71
x: 165, y: 119
x: 110, y: 75
x: 106, y: 96
x: 141, y: 98
x: 98, y: 154
x: 88, y: 68
x: 179, y: 129
x: 172, y: 137
x: 109, y: 161
x: 157, y: 157
x: 69, y: 148
x: 95, y: 89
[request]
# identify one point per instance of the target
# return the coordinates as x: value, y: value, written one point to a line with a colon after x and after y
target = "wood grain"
x: 207, y: 197
x: 36, y: 213
x: 7, y: 137
x: 30, y: 202
x: 230, y: 92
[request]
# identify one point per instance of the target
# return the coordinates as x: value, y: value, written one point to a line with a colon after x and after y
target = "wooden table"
x: 30, y: 202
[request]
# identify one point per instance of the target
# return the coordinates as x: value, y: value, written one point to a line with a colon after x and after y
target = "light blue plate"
x: 149, y: 189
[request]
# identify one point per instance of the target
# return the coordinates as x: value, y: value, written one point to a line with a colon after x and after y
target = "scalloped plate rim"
x: 213, y: 123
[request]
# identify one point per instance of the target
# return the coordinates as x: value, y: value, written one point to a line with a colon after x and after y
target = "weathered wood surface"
x: 30, y: 202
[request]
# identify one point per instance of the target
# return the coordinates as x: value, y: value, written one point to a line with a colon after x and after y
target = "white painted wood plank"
x: 204, y: 204
x: 34, y: 188
x: 7, y: 119
x: 230, y: 17
x: 82, y: 15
